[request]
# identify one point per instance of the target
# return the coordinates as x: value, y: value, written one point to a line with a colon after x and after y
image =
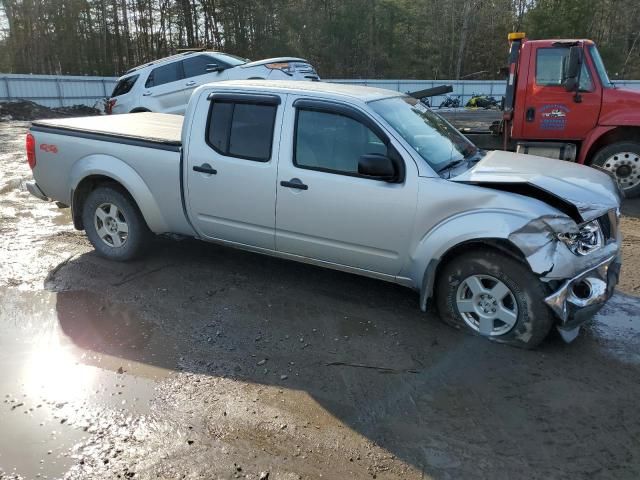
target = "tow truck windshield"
x: 431, y: 136
x: 599, y: 64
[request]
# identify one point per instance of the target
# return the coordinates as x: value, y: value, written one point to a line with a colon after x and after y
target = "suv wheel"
x: 488, y: 293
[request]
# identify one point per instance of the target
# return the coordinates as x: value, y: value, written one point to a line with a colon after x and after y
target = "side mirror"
x: 214, y: 67
x: 376, y: 166
x: 574, y: 64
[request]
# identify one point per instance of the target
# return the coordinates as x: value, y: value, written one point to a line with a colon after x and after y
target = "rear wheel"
x: 490, y: 294
x: 623, y: 160
x: 114, y: 225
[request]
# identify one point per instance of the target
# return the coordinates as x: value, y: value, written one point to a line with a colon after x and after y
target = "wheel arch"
x: 98, y: 170
x: 610, y: 136
x: 435, y: 265
x: 139, y: 110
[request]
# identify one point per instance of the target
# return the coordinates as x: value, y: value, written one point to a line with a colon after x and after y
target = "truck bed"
x: 155, y: 130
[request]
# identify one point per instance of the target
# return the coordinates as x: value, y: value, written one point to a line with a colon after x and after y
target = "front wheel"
x: 623, y: 160
x: 114, y: 225
x: 488, y: 293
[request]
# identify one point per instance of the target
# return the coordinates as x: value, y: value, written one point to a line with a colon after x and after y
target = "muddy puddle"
x: 616, y: 326
x: 67, y: 361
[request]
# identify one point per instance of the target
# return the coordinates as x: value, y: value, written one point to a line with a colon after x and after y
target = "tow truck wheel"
x: 623, y: 160
x: 114, y: 225
x: 487, y: 293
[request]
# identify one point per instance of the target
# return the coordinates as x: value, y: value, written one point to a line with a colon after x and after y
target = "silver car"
x: 363, y: 180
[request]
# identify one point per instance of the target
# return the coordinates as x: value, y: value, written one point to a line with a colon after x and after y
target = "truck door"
x: 325, y: 210
x: 550, y: 111
x: 231, y: 167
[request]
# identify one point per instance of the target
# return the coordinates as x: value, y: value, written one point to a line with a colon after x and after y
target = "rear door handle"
x: 294, y: 183
x: 147, y: 93
x: 205, y: 168
x: 531, y: 114
x: 191, y: 83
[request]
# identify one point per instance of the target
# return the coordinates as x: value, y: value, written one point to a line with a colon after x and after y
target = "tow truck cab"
x: 560, y: 103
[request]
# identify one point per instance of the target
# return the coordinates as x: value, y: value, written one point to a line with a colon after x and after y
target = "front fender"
x: 589, y: 141
x: 471, y: 226
x: 116, y: 169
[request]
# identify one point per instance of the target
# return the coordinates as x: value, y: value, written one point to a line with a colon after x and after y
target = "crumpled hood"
x: 583, y: 193
x: 273, y: 60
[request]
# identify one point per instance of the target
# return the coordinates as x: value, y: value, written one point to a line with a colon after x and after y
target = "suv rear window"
x: 168, y: 73
x: 125, y: 85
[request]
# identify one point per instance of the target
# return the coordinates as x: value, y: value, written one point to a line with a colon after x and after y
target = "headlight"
x: 588, y: 239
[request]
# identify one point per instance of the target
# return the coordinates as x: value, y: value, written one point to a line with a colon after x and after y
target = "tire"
x: 114, y: 225
x: 139, y: 110
x: 459, y: 298
x: 623, y: 160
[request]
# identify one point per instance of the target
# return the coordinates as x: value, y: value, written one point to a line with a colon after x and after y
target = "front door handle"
x: 294, y: 183
x: 205, y: 168
x: 531, y: 114
x: 191, y: 83
x: 147, y: 93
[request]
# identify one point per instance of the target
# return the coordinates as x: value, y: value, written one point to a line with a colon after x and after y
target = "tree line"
x: 434, y: 39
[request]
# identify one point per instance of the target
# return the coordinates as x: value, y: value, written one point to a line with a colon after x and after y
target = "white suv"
x: 166, y: 85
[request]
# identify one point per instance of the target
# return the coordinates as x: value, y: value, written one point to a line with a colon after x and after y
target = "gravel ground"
x: 202, y: 362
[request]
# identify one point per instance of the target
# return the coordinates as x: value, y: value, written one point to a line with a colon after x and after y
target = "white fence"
x: 54, y: 90
x: 57, y: 91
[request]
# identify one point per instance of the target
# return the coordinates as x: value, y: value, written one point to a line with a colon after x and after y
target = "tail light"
x: 108, y: 106
x: 31, y: 150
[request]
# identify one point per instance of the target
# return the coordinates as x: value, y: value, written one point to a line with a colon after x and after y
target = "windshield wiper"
x: 451, y: 164
x: 474, y: 157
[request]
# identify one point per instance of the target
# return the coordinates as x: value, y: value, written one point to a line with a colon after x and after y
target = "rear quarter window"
x: 124, y: 85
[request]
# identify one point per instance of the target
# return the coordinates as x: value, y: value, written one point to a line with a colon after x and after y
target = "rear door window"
x: 171, y: 72
x: 125, y: 85
x: 242, y: 130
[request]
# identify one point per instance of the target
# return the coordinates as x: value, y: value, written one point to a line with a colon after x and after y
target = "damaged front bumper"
x: 580, y: 298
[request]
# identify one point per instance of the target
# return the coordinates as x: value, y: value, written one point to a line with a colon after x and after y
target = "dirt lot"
x: 204, y: 362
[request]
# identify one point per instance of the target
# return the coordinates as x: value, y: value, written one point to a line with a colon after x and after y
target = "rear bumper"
x: 34, y: 190
x: 580, y: 298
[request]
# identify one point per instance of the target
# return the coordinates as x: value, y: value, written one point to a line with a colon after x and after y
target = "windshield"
x: 602, y: 71
x: 439, y: 143
x: 232, y: 60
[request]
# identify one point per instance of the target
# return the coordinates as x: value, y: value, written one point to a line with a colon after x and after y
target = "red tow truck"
x: 560, y: 103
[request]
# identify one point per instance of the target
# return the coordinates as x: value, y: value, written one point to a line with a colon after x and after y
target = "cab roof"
x: 365, y: 94
x: 566, y: 41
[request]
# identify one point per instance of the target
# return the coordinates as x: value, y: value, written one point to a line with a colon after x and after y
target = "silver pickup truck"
x: 363, y: 180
